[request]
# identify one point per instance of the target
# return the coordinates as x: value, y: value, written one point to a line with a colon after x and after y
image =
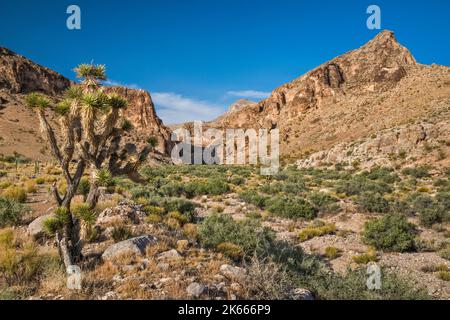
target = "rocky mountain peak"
x: 237, y: 105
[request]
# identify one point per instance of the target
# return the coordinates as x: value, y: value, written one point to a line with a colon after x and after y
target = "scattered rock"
x: 131, y: 246
x: 195, y: 289
x: 233, y: 273
x: 302, y: 294
x: 125, y: 212
x: 111, y: 295
x: 169, y: 255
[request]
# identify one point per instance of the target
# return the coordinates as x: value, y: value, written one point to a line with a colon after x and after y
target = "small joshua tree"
x: 91, y: 138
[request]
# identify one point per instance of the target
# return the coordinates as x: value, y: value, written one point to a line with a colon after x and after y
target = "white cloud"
x: 249, y: 94
x: 119, y: 84
x: 174, y: 108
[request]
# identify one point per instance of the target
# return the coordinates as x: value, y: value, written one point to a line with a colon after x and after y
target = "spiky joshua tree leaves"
x: 91, y: 131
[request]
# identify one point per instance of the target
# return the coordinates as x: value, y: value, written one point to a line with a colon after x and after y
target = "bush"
x: 85, y: 214
x: 359, y: 184
x: 247, y: 234
x: 323, y: 202
x: 15, y: 193
x: 231, y: 250
x: 316, y: 231
x: 373, y: 202
x: 365, y: 258
x: 429, y: 217
x: 254, y: 198
x: 121, y: 233
x: 391, y: 232
x: 291, y: 207
x: 10, y: 212
x: 352, y: 286
x: 332, y: 253
x: 418, y: 173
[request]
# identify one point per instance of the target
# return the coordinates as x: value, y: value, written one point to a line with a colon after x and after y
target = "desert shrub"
x: 443, y: 199
x: 444, y: 275
x: 30, y: 186
x: 324, y: 202
x: 316, y: 231
x: 284, y: 187
x: 3, y: 173
x: 365, y: 258
x: 212, y: 186
x: 373, y: 202
x: 153, y: 210
x: 445, y: 253
x: 392, y: 232
x: 190, y: 230
x: 237, y: 180
x: 121, y: 233
x: 429, y: 217
x: 291, y: 207
x: 231, y: 250
x: 5, y: 185
x: 154, y: 218
x: 170, y: 204
x: 182, y: 219
x: 253, y: 197
x: 247, y: 234
x: 358, y: 185
x: 266, y: 280
x: 418, y: 172
x: 10, y: 212
x: 383, y: 174
x: 15, y: 193
x: 352, y: 286
x: 332, y: 253
x: 21, y: 263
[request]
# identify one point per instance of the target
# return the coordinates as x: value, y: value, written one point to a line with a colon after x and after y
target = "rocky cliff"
x: 355, y: 95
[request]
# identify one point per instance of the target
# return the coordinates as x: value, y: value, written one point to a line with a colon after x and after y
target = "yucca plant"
x: 91, y: 136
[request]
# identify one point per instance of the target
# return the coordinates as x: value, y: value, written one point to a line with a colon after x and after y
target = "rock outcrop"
x: 21, y: 75
x: 361, y: 92
x: 141, y: 112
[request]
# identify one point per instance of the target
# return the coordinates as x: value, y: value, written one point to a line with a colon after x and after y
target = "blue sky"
x: 197, y: 56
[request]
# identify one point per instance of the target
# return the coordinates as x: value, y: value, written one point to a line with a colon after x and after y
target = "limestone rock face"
x: 141, y: 112
x: 20, y: 75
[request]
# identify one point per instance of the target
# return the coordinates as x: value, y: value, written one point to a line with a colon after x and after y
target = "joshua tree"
x: 91, y: 138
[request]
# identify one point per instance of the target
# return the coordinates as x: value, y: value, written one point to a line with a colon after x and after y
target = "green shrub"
x: 418, y: 173
x: 373, y: 202
x: 324, y: 202
x: 10, y: 212
x: 247, y: 234
x: 85, y: 214
x: 359, y: 184
x: 253, y: 197
x: 429, y: 217
x: 391, y: 232
x: 291, y: 207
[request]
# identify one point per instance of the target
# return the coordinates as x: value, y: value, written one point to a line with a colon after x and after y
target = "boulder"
x: 302, y: 294
x: 232, y: 272
x: 125, y: 212
x: 134, y: 246
x: 36, y: 228
x: 169, y: 255
x: 195, y: 289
